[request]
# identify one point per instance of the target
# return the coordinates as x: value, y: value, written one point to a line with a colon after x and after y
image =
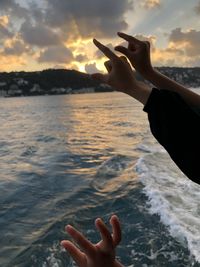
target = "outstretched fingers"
x: 116, y: 228
x: 105, y: 234
x: 81, y: 241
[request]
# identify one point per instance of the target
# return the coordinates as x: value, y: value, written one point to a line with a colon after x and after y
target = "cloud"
x: 182, y: 49
x: 188, y: 40
x: 46, y: 26
x: 89, y: 17
x: 39, y: 35
x: 13, y: 8
x: 4, y: 31
x: 197, y: 8
x: 16, y: 47
x: 150, y: 4
x: 14, y: 62
x: 4, y: 21
x: 56, y: 54
x: 91, y: 68
x: 81, y: 58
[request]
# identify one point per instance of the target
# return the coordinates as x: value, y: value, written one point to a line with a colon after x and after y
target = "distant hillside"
x: 71, y: 81
x: 189, y: 77
x: 48, y: 82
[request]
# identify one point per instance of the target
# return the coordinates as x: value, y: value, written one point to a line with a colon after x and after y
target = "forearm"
x: 163, y: 82
x: 140, y: 91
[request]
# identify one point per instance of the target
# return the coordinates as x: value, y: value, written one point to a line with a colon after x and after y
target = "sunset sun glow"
x: 38, y: 35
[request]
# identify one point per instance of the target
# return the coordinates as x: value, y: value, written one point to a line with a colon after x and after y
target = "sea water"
x: 70, y: 159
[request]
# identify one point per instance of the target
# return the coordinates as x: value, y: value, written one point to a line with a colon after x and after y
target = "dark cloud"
x: 13, y: 8
x: 88, y: 17
x: 4, y: 32
x: 52, y: 22
x: 197, y: 8
x: 190, y: 39
x: 7, y: 5
x: 17, y: 48
x: 81, y: 58
x: 174, y: 50
x: 56, y: 54
x: 39, y: 35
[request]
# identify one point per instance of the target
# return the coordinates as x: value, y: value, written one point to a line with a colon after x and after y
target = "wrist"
x: 140, y: 91
x: 148, y: 74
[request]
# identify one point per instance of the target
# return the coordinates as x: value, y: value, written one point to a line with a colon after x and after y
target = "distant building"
x: 3, y: 93
x: 36, y: 89
x: 14, y: 90
x: 2, y: 84
x: 21, y: 81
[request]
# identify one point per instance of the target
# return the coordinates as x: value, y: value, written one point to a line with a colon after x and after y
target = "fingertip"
x: 64, y: 243
x: 114, y: 218
x: 95, y: 41
x: 68, y: 228
x: 98, y: 221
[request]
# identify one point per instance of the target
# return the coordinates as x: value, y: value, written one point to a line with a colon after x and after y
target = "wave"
x: 114, y: 166
x: 172, y: 196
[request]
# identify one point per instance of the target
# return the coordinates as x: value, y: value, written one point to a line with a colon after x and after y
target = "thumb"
x: 123, y: 50
x: 100, y: 77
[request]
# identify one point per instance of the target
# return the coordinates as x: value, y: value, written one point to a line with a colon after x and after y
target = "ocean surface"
x: 70, y: 159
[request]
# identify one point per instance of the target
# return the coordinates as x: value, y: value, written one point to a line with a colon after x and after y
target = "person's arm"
x: 173, y: 122
x: 163, y: 82
x: 138, y: 52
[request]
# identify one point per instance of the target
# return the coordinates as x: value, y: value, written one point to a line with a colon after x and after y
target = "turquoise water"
x: 70, y: 159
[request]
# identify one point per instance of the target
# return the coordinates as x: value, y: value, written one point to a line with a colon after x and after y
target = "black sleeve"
x: 177, y: 128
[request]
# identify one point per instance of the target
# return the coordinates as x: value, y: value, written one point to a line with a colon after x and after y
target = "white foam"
x: 173, y: 197
x: 52, y: 260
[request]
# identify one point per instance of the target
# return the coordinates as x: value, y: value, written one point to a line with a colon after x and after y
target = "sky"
x: 43, y: 34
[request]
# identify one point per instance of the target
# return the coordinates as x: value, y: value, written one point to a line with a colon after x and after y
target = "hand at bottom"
x: 101, y: 254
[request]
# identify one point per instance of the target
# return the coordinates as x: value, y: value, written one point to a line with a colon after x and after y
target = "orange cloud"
x: 4, y: 20
x: 151, y: 3
x: 12, y: 63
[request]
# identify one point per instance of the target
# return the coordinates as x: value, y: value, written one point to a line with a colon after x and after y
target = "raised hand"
x: 120, y: 74
x: 138, y: 52
x: 101, y: 254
